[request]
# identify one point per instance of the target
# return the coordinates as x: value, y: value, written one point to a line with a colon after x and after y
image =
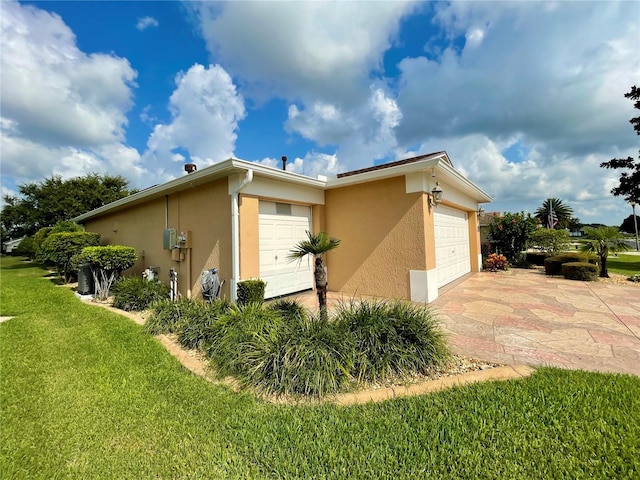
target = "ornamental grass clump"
x: 281, y: 349
x: 136, y: 294
x: 195, y: 331
x: 391, y: 339
x: 167, y: 315
x: 238, y: 334
x: 310, y: 356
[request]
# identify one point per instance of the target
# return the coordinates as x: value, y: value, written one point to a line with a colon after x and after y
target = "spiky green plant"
x: 392, y: 338
x: 195, y: 330
x: 602, y: 241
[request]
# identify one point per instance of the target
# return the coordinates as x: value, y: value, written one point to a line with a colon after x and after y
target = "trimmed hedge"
x: 251, y: 291
x: 584, y: 271
x: 553, y: 265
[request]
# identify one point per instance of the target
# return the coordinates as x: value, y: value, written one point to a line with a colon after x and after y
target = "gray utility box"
x: 169, y: 238
x: 85, y: 279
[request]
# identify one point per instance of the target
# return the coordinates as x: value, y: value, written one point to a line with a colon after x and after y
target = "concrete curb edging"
x: 506, y: 372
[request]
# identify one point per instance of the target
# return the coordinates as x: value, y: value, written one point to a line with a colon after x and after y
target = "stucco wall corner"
x: 423, y: 285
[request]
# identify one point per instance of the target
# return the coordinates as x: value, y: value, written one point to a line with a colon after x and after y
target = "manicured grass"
x: 88, y: 394
x: 624, y: 264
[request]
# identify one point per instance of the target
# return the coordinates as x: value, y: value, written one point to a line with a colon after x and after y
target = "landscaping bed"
x: 87, y: 394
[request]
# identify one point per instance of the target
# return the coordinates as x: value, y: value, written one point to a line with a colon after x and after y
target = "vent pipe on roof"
x: 284, y: 162
x: 190, y: 167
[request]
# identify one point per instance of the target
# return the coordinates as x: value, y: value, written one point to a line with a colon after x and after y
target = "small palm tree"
x: 602, y: 241
x: 554, y: 213
x: 316, y: 245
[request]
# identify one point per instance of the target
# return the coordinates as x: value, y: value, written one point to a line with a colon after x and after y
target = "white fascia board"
x: 387, y: 172
x: 267, y: 187
x: 456, y: 187
x: 223, y: 169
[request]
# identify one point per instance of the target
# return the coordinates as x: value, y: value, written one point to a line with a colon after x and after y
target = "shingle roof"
x: 392, y: 164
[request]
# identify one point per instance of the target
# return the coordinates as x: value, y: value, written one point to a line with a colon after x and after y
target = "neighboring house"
x: 243, y: 218
x: 10, y: 245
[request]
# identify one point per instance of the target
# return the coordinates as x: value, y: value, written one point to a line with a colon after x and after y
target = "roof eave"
x: 199, y: 177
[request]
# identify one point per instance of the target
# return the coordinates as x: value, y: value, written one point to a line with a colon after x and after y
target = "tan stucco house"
x: 243, y: 218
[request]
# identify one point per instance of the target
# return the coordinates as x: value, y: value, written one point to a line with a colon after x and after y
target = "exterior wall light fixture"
x: 435, y: 197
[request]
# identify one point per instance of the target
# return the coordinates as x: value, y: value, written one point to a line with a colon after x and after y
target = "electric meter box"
x: 169, y: 239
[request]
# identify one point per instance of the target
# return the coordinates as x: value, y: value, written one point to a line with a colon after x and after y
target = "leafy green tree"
x: 59, y: 248
x: 43, y: 204
x: 627, y: 224
x: 554, y: 214
x: 629, y: 184
x: 602, y: 241
x: 510, y: 233
x: 25, y: 248
x: 107, y: 264
x: 550, y: 241
x: 41, y: 236
x: 316, y: 245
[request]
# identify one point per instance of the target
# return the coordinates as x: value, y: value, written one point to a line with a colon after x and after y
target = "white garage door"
x: 282, y: 225
x: 453, y: 258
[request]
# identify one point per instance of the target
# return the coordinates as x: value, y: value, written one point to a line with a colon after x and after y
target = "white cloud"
x: 302, y: 50
x: 146, y: 22
x: 205, y: 109
x: 52, y: 92
x: 554, y: 75
x: 63, y: 111
x: 362, y: 134
x: 524, y: 185
x: 313, y: 164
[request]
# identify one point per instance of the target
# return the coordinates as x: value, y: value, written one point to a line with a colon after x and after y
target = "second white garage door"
x: 281, y: 226
x: 452, y: 244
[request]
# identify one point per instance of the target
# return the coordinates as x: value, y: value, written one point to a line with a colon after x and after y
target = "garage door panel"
x: 278, y: 234
x: 452, y: 244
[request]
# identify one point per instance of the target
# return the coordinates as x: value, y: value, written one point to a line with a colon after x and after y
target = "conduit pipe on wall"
x: 235, y: 235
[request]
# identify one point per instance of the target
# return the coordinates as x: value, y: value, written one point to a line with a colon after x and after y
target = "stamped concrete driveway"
x: 522, y: 316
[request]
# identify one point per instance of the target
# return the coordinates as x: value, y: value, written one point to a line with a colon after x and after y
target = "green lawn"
x: 85, y: 393
x: 624, y: 264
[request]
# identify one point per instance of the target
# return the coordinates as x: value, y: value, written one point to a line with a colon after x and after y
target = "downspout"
x: 235, y: 235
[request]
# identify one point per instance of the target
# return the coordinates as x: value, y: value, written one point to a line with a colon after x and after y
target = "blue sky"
x: 527, y: 98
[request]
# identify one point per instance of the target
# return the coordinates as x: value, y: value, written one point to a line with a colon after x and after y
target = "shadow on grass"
x: 24, y: 264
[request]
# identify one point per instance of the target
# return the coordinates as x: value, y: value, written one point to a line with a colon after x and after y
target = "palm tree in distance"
x: 602, y: 241
x: 316, y: 245
x: 554, y: 213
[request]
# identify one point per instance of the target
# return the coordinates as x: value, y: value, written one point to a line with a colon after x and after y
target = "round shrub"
x: 136, y: 294
x: 553, y: 265
x: 392, y: 338
x: 585, y: 271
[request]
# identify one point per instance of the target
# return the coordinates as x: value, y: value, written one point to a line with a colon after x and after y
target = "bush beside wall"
x: 251, y: 291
